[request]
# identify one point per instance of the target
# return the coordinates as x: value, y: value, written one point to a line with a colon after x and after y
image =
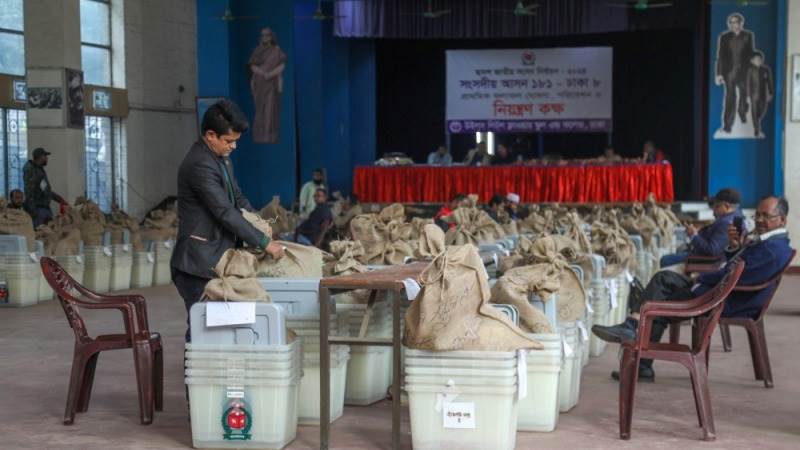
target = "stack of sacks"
x: 613, y: 244
x: 90, y: 220
x: 282, y: 221
x: 236, y: 272
x: 160, y: 225
x: 17, y: 221
x: 299, y: 261
x: 452, y: 310
x: 473, y: 226
x: 385, y: 236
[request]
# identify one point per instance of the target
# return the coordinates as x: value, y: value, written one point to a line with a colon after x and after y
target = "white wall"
x: 161, y: 46
x: 792, y: 131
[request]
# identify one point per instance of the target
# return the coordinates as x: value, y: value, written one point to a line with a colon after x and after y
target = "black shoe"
x: 726, y: 129
x: 646, y: 375
x: 625, y: 331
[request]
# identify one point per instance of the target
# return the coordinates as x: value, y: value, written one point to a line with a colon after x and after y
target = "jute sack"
x: 236, y: 281
x: 417, y: 227
x: 452, y: 310
x: 537, y: 222
x: 342, y: 261
x: 638, y: 222
x: 273, y: 211
x: 161, y: 225
x: 263, y: 225
x: 574, y: 231
x: 385, y: 237
x: 122, y: 219
x: 664, y: 219
x: 473, y: 226
x: 558, y: 252
x: 615, y: 246
x: 60, y: 237
x: 515, y: 287
x: 17, y: 221
x: 92, y: 221
x: 299, y: 261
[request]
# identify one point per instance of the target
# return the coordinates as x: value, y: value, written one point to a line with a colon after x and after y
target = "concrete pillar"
x: 791, y: 149
x: 52, y: 44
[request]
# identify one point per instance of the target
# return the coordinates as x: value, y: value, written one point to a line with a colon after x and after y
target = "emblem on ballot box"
x: 236, y: 421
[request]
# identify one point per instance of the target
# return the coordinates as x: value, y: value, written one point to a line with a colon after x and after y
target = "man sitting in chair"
x: 312, y: 230
x: 764, y: 253
x: 712, y: 238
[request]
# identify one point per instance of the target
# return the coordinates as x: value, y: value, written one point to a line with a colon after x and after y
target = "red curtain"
x: 568, y: 184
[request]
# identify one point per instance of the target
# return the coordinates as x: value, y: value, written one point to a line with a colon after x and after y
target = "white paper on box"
x: 522, y: 374
x: 494, y: 257
x: 567, y: 349
x: 459, y: 415
x: 168, y: 244
x: 33, y: 256
x: 150, y: 257
x: 79, y: 259
x: 235, y: 394
x: 230, y: 313
x: 126, y: 247
x: 412, y: 288
x: 628, y: 276
x: 106, y: 251
x: 584, y: 333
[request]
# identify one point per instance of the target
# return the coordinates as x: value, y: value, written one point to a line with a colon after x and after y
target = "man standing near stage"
x: 735, y: 48
x: 210, y: 220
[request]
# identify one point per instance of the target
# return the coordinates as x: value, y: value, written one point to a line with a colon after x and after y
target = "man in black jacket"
x: 735, y: 47
x: 38, y: 193
x: 210, y: 203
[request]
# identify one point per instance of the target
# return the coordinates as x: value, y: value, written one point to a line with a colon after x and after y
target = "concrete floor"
x: 37, y: 344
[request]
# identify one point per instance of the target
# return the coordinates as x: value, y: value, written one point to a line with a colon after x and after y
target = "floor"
x: 36, y: 358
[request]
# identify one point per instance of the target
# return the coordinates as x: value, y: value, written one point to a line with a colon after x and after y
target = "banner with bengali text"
x: 558, y: 90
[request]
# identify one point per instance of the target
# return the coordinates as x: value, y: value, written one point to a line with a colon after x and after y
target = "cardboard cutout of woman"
x: 267, y: 64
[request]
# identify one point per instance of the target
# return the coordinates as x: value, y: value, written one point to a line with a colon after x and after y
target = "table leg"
x: 324, y: 369
x: 396, y: 340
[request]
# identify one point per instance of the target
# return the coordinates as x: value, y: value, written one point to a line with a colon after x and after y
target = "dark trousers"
x: 732, y: 85
x: 759, y: 105
x: 665, y: 285
x: 190, y: 287
x: 41, y: 215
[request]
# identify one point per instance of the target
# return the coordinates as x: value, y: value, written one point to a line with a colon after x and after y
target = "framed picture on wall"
x: 795, y: 88
x: 20, y: 91
x: 203, y: 103
x: 75, y: 106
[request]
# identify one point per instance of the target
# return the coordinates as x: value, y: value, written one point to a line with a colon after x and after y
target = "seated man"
x: 496, y: 204
x: 609, y: 155
x: 310, y: 231
x: 514, y: 210
x: 764, y: 255
x: 503, y: 156
x: 440, y: 157
x: 443, y: 217
x: 350, y: 209
x: 711, y: 239
x: 16, y: 199
x: 478, y: 156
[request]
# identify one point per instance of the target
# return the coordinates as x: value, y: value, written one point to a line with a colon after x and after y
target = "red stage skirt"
x: 581, y: 183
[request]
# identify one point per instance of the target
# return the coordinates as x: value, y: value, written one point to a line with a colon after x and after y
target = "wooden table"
x: 390, y: 280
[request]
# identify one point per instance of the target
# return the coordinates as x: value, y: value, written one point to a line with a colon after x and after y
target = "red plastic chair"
x: 705, y: 310
x: 701, y: 264
x: 147, y: 351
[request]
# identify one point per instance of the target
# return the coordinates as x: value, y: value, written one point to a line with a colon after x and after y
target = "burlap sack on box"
x: 558, y: 252
x: 638, y: 222
x: 61, y: 237
x: 236, y: 281
x: 122, y: 219
x: 515, y: 287
x: 385, y: 237
x: 342, y: 261
x: 17, y: 221
x: 299, y: 261
x: 473, y: 226
x: 664, y: 219
x: 537, y: 222
x: 574, y: 231
x: 417, y: 226
x: 263, y: 225
x: 615, y: 246
x: 452, y: 310
x: 160, y: 225
x: 275, y: 213
x: 92, y: 222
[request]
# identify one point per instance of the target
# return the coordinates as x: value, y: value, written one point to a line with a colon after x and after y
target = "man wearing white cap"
x: 513, y: 205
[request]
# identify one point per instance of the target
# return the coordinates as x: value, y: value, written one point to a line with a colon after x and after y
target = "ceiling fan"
x: 520, y: 10
x: 640, y: 5
x: 430, y: 13
x: 228, y: 16
x: 740, y: 3
x: 319, y: 14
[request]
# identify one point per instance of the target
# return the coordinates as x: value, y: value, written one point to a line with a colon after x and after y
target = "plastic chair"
x: 702, y: 263
x: 147, y: 350
x: 705, y: 310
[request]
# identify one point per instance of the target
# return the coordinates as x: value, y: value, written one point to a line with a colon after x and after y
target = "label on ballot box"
x: 459, y: 415
x: 220, y: 314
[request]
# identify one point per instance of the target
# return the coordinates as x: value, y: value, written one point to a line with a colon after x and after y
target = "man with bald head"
x: 764, y: 252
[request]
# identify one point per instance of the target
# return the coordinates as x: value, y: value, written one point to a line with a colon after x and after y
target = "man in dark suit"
x: 735, y: 47
x: 764, y: 253
x: 210, y: 220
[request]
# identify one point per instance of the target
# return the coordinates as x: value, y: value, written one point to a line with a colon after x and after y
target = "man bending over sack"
x: 210, y: 201
x: 764, y: 254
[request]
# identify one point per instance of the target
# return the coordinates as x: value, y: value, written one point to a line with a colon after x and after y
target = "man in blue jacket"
x: 712, y: 238
x: 764, y: 253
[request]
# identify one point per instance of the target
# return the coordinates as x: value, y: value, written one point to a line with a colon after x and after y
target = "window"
x: 12, y: 41
x: 106, y: 153
x: 13, y: 148
x: 96, y: 42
